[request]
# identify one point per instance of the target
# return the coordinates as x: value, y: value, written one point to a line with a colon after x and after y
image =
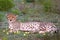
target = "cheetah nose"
x: 10, y: 20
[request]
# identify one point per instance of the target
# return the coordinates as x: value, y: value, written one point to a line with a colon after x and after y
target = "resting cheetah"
x: 40, y: 27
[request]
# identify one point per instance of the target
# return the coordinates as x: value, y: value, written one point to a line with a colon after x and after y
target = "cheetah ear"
x: 6, y: 15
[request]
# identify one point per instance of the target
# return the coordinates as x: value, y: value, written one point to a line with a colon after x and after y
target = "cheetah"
x: 40, y: 27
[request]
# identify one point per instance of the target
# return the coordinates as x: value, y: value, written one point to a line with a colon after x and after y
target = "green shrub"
x: 1, y: 17
x: 41, y: 1
x: 47, y: 6
x: 6, y: 5
x: 29, y: 1
x: 16, y: 11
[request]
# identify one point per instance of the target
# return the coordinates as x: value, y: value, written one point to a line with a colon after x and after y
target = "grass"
x: 4, y: 35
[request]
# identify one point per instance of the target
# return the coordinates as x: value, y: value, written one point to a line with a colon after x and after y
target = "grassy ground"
x: 5, y: 35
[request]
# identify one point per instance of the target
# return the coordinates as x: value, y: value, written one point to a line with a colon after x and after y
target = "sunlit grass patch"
x: 3, y: 30
x: 5, y: 35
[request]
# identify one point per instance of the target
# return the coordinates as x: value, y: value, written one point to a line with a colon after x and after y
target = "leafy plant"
x: 29, y: 1
x: 47, y: 6
x: 40, y: 1
x: 4, y: 38
x: 16, y: 11
x: 6, y: 5
x: 1, y: 17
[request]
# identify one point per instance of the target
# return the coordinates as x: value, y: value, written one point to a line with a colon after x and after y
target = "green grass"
x: 25, y: 36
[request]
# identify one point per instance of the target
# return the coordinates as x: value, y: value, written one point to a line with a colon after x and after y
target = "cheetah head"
x: 11, y: 17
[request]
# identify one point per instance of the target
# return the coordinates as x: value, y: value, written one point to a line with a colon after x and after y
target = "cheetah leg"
x: 10, y: 30
x: 41, y: 32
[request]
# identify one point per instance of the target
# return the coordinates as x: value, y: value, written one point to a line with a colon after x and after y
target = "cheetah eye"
x: 12, y: 17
